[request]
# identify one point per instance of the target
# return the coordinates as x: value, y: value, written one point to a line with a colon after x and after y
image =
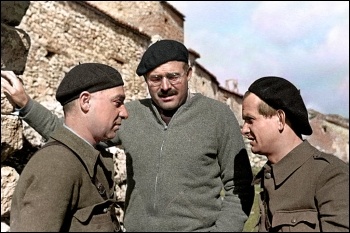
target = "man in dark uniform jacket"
x: 68, y: 185
x: 303, y: 189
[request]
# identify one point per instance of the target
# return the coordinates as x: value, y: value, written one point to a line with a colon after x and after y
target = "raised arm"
x: 13, y: 89
x: 37, y: 116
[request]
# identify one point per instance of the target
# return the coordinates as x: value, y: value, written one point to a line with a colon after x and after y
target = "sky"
x: 305, y: 42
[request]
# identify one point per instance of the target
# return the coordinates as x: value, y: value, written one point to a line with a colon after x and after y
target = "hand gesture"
x: 13, y: 88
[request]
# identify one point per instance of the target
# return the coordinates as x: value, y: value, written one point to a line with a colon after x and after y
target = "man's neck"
x: 166, y: 115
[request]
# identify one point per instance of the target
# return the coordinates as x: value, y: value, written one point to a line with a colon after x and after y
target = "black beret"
x: 161, y: 52
x: 89, y: 77
x: 279, y: 93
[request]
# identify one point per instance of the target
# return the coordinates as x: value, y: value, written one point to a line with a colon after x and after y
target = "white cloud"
x: 306, y: 42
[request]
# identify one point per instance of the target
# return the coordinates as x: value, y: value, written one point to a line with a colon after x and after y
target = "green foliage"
x: 254, y: 214
x: 250, y: 224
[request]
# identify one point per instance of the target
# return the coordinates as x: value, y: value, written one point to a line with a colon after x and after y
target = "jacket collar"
x: 86, y: 152
x: 286, y: 166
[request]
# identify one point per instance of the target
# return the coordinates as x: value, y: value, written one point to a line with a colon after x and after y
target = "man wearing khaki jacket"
x: 303, y: 189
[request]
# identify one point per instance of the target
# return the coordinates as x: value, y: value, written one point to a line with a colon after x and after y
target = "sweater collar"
x: 166, y: 115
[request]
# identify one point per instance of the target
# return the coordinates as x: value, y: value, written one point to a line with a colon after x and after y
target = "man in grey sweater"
x: 187, y: 166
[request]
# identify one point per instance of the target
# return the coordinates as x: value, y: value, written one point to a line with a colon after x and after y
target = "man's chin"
x: 111, y: 135
x: 168, y: 106
x: 254, y: 150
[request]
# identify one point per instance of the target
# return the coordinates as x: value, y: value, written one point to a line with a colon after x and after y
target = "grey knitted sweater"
x: 176, y: 172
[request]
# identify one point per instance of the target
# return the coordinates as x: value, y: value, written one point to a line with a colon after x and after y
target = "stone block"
x: 11, y: 135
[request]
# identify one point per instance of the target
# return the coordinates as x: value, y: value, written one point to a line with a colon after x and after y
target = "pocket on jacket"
x: 93, y: 218
x: 297, y: 220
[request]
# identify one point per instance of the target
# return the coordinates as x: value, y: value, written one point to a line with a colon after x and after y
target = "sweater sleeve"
x: 40, y: 118
x: 45, y: 122
x: 236, y: 174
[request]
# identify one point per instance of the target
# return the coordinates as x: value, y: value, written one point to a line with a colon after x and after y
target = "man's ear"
x: 84, y: 101
x: 189, y: 73
x: 281, y: 116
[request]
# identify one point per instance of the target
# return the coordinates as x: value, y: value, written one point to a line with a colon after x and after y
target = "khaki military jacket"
x: 306, y: 191
x: 55, y: 192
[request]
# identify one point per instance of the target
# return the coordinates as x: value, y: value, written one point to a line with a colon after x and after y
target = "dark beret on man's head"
x: 91, y: 77
x: 279, y: 93
x: 161, y: 52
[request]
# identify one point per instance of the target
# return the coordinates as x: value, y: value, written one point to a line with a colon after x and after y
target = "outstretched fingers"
x: 13, y: 88
x: 8, y: 79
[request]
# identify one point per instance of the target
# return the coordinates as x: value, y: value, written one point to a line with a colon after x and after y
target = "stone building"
x: 65, y: 33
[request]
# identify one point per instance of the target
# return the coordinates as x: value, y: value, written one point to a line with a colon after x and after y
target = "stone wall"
x: 15, y: 45
x: 330, y: 134
x: 65, y: 34
x: 62, y: 34
x: 151, y: 17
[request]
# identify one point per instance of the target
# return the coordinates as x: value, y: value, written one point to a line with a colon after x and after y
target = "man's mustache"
x: 162, y: 94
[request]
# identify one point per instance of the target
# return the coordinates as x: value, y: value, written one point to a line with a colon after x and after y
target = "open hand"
x: 13, y: 88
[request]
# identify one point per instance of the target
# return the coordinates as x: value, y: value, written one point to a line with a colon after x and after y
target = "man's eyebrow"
x: 248, y: 117
x: 171, y: 72
x: 119, y: 96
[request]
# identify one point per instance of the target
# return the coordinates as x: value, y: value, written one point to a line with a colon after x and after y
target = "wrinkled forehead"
x: 168, y: 67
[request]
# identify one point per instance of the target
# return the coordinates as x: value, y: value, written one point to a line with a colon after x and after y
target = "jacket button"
x: 268, y: 175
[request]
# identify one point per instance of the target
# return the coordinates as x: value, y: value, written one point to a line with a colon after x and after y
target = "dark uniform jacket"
x: 55, y: 191
x: 307, y: 191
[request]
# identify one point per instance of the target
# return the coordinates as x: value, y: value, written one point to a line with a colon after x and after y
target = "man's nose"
x: 244, y: 129
x: 124, y: 113
x: 165, y: 84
